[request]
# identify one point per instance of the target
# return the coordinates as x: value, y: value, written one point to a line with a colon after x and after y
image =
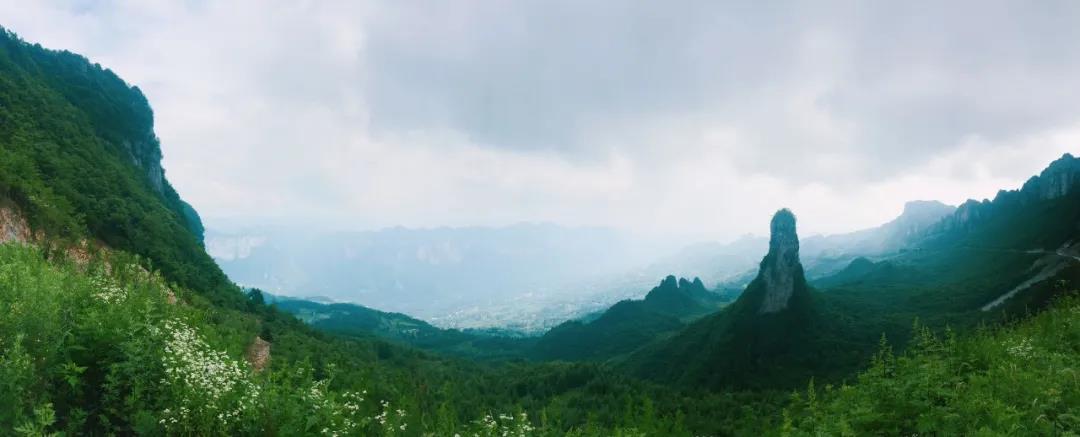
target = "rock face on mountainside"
x: 1061, y: 178
x: 258, y: 354
x: 781, y: 266
x: 13, y: 227
x: 753, y: 341
x: 1058, y: 180
x: 81, y: 161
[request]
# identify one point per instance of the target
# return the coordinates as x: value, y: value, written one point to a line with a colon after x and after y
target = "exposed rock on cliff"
x: 780, y: 269
x: 773, y: 323
x: 258, y: 354
x: 1060, y: 179
x: 13, y: 227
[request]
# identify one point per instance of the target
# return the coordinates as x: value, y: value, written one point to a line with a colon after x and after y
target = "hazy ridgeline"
x: 115, y: 321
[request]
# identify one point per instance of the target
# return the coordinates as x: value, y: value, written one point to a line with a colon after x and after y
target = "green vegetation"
x: 97, y: 347
x: 739, y: 346
x: 138, y: 332
x: 79, y: 157
x: 92, y: 345
x: 629, y: 324
x: 361, y: 322
x: 1017, y: 380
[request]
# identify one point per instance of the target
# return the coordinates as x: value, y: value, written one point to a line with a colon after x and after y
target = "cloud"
x: 695, y: 117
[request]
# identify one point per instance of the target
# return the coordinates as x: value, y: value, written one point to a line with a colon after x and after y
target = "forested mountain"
x: 984, y: 260
x: 622, y: 328
x: 360, y: 321
x: 630, y: 323
x: 525, y: 277
x: 735, y: 263
x: 770, y: 332
x: 80, y: 158
x: 116, y: 322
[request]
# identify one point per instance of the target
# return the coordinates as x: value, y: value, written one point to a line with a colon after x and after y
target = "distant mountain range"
x: 115, y: 321
x: 934, y: 263
x: 1003, y: 255
x: 526, y: 278
x: 428, y: 272
x: 732, y: 264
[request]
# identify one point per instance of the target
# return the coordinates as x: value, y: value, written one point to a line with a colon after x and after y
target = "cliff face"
x: 13, y: 227
x: 79, y: 161
x: 1059, y: 179
x: 145, y: 153
x: 781, y: 267
x: 116, y: 113
x: 754, y: 340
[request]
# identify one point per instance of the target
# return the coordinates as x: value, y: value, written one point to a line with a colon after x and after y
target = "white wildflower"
x: 1021, y: 349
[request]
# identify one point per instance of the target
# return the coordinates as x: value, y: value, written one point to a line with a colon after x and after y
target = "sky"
x: 691, y: 118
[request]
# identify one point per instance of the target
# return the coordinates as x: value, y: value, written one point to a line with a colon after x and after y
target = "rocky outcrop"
x: 781, y: 268
x: 970, y: 213
x: 13, y: 227
x: 1058, y: 180
x: 1061, y: 178
x: 145, y: 153
x: 258, y: 354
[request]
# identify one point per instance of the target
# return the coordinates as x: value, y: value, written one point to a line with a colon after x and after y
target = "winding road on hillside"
x: 1048, y: 271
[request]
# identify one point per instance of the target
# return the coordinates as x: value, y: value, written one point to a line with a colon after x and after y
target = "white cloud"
x: 699, y: 119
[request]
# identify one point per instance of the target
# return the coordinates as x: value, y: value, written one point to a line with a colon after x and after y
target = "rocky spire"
x: 780, y: 269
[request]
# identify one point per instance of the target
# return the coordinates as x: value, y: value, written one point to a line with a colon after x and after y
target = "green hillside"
x: 629, y: 324
x: 1015, y: 380
x: 359, y: 321
x: 114, y: 321
x: 949, y: 275
x: 79, y: 157
x: 771, y: 336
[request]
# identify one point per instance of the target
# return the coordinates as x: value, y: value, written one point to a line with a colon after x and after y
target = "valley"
x: 122, y: 313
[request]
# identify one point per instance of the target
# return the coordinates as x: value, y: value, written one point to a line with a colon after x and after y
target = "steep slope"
x: 79, y: 159
x: 1016, y: 380
x: 114, y: 322
x: 681, y: 298
x: 999, y: 224
x: 768, y: 336
x: 629, y: 324
x: 981, y: 252
x: 734, y: 263
x: 986, y: 259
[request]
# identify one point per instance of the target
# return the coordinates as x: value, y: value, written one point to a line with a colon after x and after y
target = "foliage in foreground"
x: 97, y: 348
x: 1021, y: 379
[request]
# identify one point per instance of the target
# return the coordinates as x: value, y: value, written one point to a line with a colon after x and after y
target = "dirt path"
x: 1050, y: 267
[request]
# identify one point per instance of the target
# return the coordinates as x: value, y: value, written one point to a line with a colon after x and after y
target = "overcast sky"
x: 658, y: 117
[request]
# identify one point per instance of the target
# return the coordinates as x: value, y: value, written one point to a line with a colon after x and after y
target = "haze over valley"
x: 524, y: 278
x: 539, y: 218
